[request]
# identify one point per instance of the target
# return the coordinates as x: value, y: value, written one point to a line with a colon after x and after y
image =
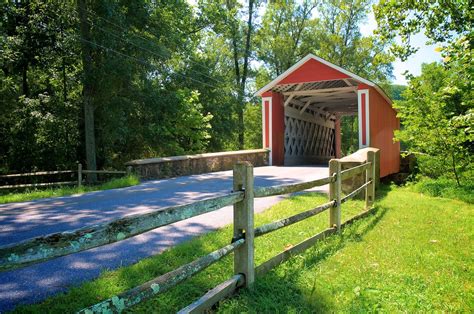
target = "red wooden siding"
x: 383, y: 122
x: 312, y: 71
x: 278, y: 130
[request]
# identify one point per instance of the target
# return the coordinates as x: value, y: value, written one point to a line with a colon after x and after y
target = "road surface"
x: 20, y: 221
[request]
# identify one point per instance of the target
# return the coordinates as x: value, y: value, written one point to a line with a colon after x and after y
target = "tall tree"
x: 229, y: 18
x: 344, y: 45
x: 241, y: 55
x: 287, y: 34
x: 88, y: 88
x: 145, y: 90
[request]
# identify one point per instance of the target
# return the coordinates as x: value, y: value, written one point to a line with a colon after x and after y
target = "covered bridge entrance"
x: 302, y: 108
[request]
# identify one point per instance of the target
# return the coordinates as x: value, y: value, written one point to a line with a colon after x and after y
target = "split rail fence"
x: 79, y: 177
x: 242, y: 245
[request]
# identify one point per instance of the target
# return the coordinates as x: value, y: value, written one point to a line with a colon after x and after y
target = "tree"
x: 432, y: 123
x: 143, y: 88
x: 437, y: 113
x: 286, y: 34
x: 236, y: 23
x: 344, y: 45
x: 38, y: 120
x: 88, y: 88
x: 441, y: 21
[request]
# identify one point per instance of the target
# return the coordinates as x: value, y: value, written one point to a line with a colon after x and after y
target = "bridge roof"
x: 313, y: 72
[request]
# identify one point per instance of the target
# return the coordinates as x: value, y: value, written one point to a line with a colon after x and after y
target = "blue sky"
x: 425, y: 54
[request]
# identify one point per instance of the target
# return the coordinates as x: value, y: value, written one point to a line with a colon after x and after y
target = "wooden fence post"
x: 244, y: 222
x: 370, y: 175
x: 335, y: 194
x: 79, y: 175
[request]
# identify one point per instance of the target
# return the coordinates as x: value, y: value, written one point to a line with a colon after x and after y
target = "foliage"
x: 338, y: 274
x: 438, y: 111
x: 287, y: 34
x: 396, y: 91
x: 445, y: 188
x: 342, y: 43
x: 33, y: 194
x: 253, y: 126
x: 235, y: 24
x: 441, y: 22
x: 436, y: 120
x: 349, y: 135
x: 143, y: 105
x: 160, y: 77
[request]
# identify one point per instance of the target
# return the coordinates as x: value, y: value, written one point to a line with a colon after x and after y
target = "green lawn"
x: 28, y: 195
x: 414, y: 255
x: 447, y: 188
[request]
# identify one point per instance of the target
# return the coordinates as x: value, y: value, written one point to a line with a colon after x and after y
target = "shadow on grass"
x: 280, y: 289
x: 274, y: 292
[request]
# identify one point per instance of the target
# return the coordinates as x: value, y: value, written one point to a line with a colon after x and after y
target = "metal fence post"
x: 79, y: 175
x: 370, y: 176
x: 335, y: 194
x: 244, y: 222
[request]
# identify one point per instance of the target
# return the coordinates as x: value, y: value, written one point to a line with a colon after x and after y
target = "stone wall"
x: 167, y: 167
x: 355, y: 159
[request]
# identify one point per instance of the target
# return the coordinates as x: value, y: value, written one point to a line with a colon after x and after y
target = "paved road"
x: 19, y: 221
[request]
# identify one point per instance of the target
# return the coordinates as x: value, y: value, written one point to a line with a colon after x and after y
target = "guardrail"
x: 80, y: 172
x: 44, y: 248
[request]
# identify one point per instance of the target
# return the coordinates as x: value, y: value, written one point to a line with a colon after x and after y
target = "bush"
x: 445, y: 187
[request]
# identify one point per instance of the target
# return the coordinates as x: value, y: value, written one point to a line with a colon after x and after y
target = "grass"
x: 413, y: 255
x: 447, y: 188
x: 28, y: 195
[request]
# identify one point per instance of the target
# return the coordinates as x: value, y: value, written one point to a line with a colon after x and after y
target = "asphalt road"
x: 20, y: 221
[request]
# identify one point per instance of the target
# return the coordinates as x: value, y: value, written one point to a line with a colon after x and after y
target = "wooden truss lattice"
x: 308, y: 138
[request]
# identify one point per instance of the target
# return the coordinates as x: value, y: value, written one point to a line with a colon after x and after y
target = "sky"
x: 425, y: 54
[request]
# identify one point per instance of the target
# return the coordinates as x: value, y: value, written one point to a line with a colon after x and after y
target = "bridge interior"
x: 312, y: 118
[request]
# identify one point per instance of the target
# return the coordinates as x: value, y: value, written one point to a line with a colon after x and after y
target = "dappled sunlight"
x: 20, y: 221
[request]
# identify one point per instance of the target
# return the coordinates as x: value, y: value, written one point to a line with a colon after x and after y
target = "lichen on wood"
x: 160, y: 284
x: 59, y: 244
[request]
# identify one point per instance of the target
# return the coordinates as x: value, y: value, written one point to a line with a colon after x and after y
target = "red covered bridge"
x: 301, y: 111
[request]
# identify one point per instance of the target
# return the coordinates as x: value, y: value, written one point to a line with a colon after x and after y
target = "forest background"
x: 104, y: 82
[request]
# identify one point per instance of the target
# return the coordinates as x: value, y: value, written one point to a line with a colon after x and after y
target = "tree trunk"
x: 454, y: 169
x: 25, y: 89
x: 244, y: 76
x: 63, y: 65
x: 87, y: 91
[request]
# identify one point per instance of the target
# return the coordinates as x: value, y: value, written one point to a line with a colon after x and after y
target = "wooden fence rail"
x: 44, y: 248
x: 242, y: 245
x: 78, y: 182
x: 32, y: 174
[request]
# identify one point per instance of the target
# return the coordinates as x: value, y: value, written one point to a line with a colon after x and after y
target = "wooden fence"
x: 242, y: 245
x: 79, y: 175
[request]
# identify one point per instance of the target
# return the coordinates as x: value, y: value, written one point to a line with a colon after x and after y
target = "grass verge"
x: 413, y: 254
x: 33, y: 194
x: 443, y: 187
